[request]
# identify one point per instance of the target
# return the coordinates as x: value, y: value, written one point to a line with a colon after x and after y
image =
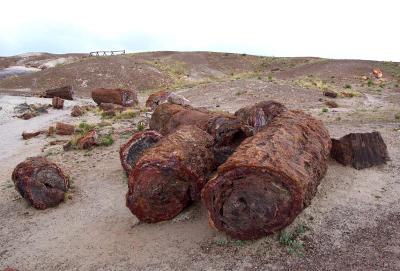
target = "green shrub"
x: 324, y: 110
x: 140, y: 126
x: 106, y: 140
x: 347, y: 86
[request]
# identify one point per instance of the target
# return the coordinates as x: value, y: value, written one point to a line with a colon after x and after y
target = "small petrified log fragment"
x: 77, y: 111
x: 270, y: 177
x: 27, y: 116
x: 40, y: 181
x: 29, y: 135
x: 65, y: 93
x: 227, y: 130
x: 360, y: 150
x: 260, y: 114
x: 57, y: 103
x: 157, y: 98
x: 130, y: 152
x: 332, y: 104
x: 115, y: 96
x: 330, y: 93
x: 64, y: 129
x: 88, y: 141
x: 170, y: 175
x: 377, y: 73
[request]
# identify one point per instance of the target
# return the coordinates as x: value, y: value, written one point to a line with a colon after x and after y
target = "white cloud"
x: 338, y: 29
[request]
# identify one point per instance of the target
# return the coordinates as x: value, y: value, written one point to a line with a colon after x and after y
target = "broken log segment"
x: 227, y: 130
x: 65, y: 93
x: 270, y: 177
x: 77, y: 111
x: 64, y: 129
x: 170, y: 175
x: 40, y: 181
x: 115, y: 96
x: 260, y: 114
x: 57, y: 103
x: 131, y: 151
x: 157, y: 98
x: 31, y: 134
x: 360, y: 150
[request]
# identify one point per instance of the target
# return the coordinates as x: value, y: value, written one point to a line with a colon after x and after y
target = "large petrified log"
x: 260, y: 114
x: 122, y: 97
x: 227, y: 130
x: 170, y: 175
x: 270, y: 177
x: 65, y: 93
x: 40, y: 181
x: 130, y: 152
x: 157, y: 98
x: 360, y: 150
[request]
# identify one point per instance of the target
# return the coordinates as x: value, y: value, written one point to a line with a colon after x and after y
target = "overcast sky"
x: 335, y: 29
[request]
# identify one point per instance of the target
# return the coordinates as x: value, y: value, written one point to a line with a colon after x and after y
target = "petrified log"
x: 40, y: 181
x: 65, y: 93
x: 360, y: 150
x: 260, y: 114
x: 57, y: 103
x: 77, y: 111
x: 330, y: 93
x: 29, y: 135
x: 88, y: 141
x: 116, y: 96
x: 157, y: 98
x: 270, y: 177
x: 64, y: 129
x: 227, y: 130
x: 130, y: 152
x: 170, y: 175
x: 111, y: 107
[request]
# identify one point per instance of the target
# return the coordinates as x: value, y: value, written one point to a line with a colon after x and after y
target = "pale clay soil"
x: 353, y: 222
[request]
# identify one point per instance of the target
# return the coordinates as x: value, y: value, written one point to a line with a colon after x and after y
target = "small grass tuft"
x: 140, y: 126
x: 370, y: 83
x: 397, y: 116
x: 347, y: 86
x: 106, y: 140
x: 324, y: 110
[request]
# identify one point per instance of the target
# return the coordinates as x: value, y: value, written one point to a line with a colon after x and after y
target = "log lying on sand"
x: 260, y: 114
x: 170, y: 175
x: 157, y: 98
x: 228, y: 131
x: 130, y: 152
x: 64, y: 129
x: 65, y: 93
x: 57, y: 103
x: 360, y: 150
x: 115, y: 96
x: 270, y: 177
x: 40, y: 181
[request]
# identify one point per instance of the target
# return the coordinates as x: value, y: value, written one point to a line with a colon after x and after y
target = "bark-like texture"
x: 65, y: 93
x: 227, y: 130
x: 131, y: 151
x: 170, y: 175
x: 270, y: 177
x: 260, y: 114
x: 157, y: 98
x: 360, y: 150
x: 40, y: 182
x: 57, y: 103
x: 115, y: 96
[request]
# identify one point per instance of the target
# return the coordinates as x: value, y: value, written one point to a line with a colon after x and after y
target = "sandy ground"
x: 352, y: 224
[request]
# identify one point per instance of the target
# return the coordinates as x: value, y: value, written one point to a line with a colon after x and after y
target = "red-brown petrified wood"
x: 260, y: 114
x: 360, y: 150
x: 40, y: 182
x: 227, y: 130
x: 157, y: 98
x: 270, y: 177
x: 57, y: 103
x: 64, y: 128
x: 115, y: 96
x: 65, y: 93
x: 130, y: 152
x: 170, y: 175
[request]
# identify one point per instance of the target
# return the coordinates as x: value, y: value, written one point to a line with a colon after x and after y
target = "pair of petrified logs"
x: 262, y: 186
